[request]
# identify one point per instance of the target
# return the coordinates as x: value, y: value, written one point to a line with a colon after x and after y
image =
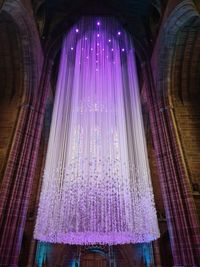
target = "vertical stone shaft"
x: 177, y: 195
x: 18, y: 176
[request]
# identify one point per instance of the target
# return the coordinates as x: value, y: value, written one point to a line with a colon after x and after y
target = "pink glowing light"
x: 96, y: 183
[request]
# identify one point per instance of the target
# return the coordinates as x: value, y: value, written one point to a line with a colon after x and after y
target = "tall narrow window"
x: 96, y: 185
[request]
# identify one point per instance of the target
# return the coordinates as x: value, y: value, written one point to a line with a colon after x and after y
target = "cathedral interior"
x: 166, y: 35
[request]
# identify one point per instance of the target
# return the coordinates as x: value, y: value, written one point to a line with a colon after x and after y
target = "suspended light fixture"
x: 96, y: 183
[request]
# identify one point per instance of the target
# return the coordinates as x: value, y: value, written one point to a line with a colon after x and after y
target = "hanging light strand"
x: 96, y: 183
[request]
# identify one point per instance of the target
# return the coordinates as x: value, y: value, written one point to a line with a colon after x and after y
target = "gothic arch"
x: 178, y: 79
x: 183, y: 17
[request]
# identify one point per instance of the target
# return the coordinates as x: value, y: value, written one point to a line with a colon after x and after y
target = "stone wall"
x: 175, y: 67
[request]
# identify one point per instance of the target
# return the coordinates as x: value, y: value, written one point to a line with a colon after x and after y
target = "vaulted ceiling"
x: 136, y: 14
x: 137, y: 7
x: 139, y: 17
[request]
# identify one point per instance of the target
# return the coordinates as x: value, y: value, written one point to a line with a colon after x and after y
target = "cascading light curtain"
x: 96, y: 184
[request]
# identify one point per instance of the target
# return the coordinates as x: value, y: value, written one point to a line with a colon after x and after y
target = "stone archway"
x: 93, y: 259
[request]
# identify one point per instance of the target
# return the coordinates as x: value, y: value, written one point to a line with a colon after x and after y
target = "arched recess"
x: 183, y: 93
x: 94, y: 256
x: 23, y: 104
x: 172, y: 90
x: 178, y: 81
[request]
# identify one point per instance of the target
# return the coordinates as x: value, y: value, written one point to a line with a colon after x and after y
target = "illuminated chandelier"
x: 96, y: 183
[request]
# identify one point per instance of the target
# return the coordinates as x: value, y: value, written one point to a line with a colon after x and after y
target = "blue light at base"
x: 43, y: 249
x: 73, y: 263
x: 147, y: 254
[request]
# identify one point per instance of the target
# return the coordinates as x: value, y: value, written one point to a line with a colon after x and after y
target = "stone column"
x: 179, y: 204
x: 19, y: 173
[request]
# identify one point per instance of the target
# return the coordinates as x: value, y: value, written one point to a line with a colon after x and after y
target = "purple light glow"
x: 119, y: 33
x: 96, y: 182
x: 98, y: 35
x: 97, y: 238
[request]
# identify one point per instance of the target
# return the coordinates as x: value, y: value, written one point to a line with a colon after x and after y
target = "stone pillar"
x: 156, y: 254
x: 19, y: 173
x: 46, y: 129
x: 179, y: 204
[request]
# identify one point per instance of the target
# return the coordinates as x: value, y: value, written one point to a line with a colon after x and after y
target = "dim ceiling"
x: 137, y: 7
